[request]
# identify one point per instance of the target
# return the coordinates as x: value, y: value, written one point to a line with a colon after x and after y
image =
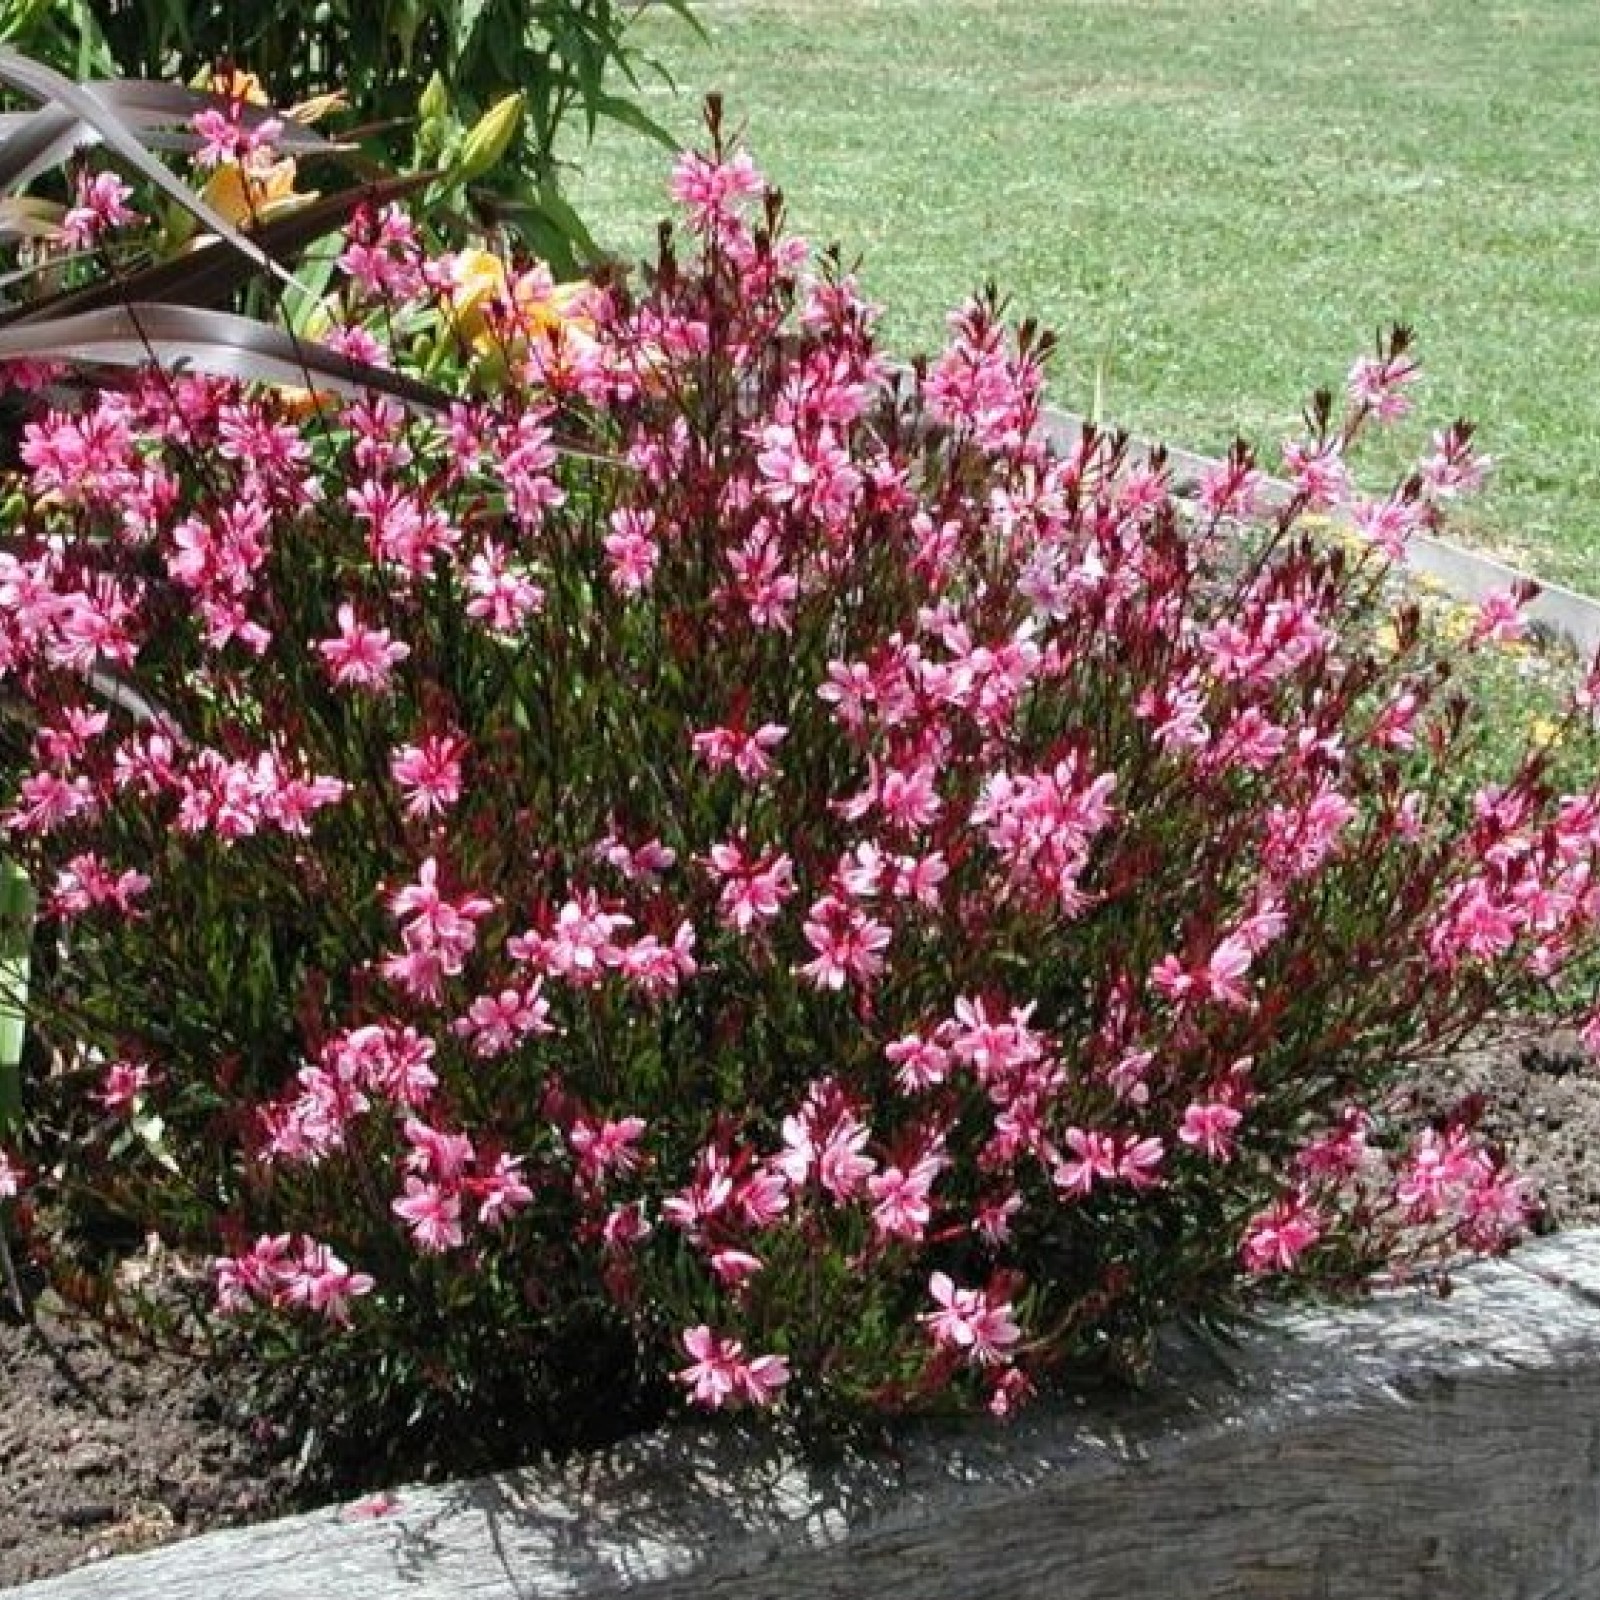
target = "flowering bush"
x: 722, y: 868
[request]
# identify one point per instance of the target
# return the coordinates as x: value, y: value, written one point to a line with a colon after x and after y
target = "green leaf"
x: 152, y: 1134
x: 634, y: 116
x: 16, y: 939
x: 468, y: 14
x: 553, y: 221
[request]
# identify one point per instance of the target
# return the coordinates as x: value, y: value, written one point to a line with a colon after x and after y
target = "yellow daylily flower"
x: 254, y: 192
x: 234, y: 84
x: 508, y: 315
x: 477, y: 284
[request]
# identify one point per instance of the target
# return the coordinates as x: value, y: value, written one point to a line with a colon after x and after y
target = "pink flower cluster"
x: 813, y: 870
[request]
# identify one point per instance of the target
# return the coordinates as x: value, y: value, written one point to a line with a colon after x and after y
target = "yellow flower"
x: 477, y: 285
x: 554, y: 314
x: 236, y: 85
x: 255, y: 192
x: 1458, y: 623
x: 246, y: 86
x: 1546, y: 732
x: 521, y: 316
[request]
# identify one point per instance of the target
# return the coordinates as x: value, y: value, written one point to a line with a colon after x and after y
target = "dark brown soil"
x: 105, y: 1451
x: 1542, y: 1106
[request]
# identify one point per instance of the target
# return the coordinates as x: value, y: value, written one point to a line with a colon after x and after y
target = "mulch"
x: 106, y: 1450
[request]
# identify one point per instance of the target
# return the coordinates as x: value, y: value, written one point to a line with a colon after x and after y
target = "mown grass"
x: 1215, y: 202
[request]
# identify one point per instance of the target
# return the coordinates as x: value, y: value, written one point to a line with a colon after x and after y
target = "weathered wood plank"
x: 1410, y: 1447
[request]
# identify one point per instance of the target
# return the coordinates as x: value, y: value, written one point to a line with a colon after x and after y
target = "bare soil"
x: 105, y: 1450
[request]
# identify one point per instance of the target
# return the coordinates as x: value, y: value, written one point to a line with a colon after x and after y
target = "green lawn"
x: 1214, y: 202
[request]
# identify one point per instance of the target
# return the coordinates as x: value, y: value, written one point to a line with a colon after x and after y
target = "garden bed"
x: 108, y: 1451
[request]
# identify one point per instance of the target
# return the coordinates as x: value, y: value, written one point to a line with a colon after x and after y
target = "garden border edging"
x: 1369, y: 1453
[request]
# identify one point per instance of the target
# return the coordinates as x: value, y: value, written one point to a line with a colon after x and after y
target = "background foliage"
x: 574, y: 63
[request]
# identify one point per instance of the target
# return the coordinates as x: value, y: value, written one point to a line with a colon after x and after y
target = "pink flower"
x: 121, y: 1085
x: 753, y: 889
x: 47, y: 801
x: 502, y: 1192
x: 749, y: 754
x: 361, y: 657
x: 429, y: 773
x: 712, y: 191
x: 1217, y: 979
x: 503, y: 597
x: 433, y: 1214
x: 85, y: 884
x: 920, y: 1062
x: 496, y: 1023
x: 720, y: 1373
x: 1380, y: 385
x: 382, y: 254
x: 762, y: 1198
x: 1231, y: 488
x: 437, y: 933
x: 1389, y: 524
x: 1441, y: 1167
x: 11, y: 1177
x: 733, y: 1268
x: 902, y: 1200
x: 605, y: 1148
x: 1319, y: 472
x: 289, y: 1270
x: 225, y: 135
x: 1499, y: 618
x: 632, y: 550
x: 1495, y: 1209
x: 982, y: 1330
x: 1208, y: 1126
x: 1276, y: 1238
x: 813, y: 475
x: 1139, y: 1161
x: 100, y: 205
x: 1093, y: 1160
x: 849, y: 944
x: 827, y: 1141
x: 437, y: 1154
x: 625, y: 1227
x: 1453, y: 469
x: 324, y: 1284
x: 582, y: 945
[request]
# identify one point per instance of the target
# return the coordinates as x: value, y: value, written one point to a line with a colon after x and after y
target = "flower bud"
x: 434, y: 104
x: 489, y: 138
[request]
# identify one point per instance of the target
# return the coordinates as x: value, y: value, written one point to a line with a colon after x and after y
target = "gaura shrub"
x: 723, y: 869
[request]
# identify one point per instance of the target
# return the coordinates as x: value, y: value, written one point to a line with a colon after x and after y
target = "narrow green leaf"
x: 633, y: 116
x: 16, y: 938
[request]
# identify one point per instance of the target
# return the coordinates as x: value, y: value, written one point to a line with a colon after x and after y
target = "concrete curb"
x: 1408, y: 1447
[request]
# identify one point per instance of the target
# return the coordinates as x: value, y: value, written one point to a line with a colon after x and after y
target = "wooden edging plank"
x: 1409, y: 1447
